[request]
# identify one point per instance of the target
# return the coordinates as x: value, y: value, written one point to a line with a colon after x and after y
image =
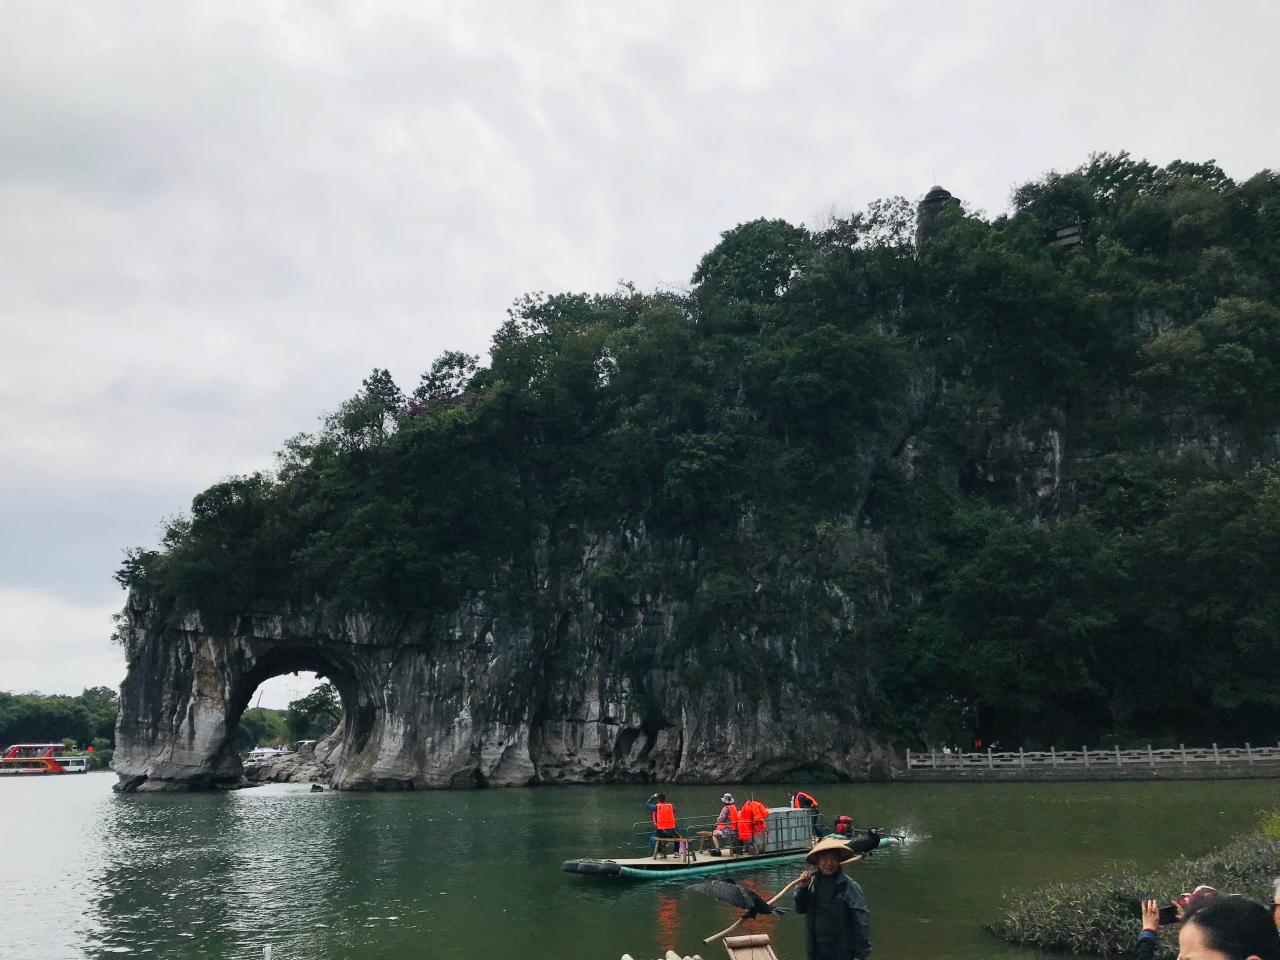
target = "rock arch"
x: 188, y: 684
x: 459, y: 699
x: 411, y: 719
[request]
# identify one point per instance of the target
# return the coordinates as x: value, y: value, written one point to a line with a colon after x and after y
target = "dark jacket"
x: 855, y: 917
x: 1146, y: 946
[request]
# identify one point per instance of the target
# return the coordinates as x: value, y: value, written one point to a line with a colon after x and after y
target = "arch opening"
x: 350, y: 724
x: 289, y: 710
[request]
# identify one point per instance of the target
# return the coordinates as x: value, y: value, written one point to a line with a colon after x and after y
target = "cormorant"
x: 733, y: 892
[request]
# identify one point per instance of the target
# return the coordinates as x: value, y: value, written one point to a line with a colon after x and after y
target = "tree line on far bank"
x: 89, y: 720
x: 53, y: 718
x: 84, y: 721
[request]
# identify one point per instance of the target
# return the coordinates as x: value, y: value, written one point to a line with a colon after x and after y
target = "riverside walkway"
x: 1182, y: 763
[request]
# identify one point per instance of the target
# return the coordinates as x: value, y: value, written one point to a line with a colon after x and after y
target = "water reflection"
x: 667, y: 920
x: 210, y: 875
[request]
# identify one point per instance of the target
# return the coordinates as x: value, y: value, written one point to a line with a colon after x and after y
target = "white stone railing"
x: 1085, y: 758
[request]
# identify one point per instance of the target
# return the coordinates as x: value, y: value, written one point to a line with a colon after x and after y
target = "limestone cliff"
x: 456, y: 707
x: 577, y: 688
x: 574, y: 689
x: 849, y: 491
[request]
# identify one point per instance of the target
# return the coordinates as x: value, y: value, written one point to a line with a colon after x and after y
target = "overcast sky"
x: 216, y: 218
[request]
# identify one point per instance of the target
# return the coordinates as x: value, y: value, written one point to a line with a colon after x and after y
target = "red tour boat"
x: 26, y: 759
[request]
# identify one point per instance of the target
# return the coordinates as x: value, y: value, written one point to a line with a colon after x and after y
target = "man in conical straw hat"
x: 837, y: 922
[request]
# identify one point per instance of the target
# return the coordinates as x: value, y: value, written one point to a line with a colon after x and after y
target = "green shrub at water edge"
x: 1100, y: 916
x: 101, y: 759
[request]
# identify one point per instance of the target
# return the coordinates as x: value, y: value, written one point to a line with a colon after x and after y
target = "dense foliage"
x: 87, y: 720
x: 307, y: 718
x: 1101, y: 916
x: 261, y: 727
x: 315, y: 715
x: 1000, y: 487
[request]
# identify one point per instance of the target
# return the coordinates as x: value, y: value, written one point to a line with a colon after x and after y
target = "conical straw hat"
x: 830, y: 845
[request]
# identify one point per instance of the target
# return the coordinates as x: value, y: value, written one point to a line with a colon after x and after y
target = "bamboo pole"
x: 772, y: 900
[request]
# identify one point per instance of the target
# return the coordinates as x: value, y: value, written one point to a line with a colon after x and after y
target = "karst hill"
x: 903, y: 478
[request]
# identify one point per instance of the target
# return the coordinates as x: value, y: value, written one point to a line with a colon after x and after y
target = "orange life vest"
x: 664, y: 816
x: 751, y: 819
x: 732, y: 820
x: 796, y: 801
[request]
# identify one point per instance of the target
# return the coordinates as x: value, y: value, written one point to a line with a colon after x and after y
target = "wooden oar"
x: 771, y: 901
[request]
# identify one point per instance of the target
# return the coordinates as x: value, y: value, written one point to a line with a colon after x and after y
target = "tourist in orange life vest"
x: 805, y: 801
x: 751, y: 820
x: 801, y: 800
x: 726, y: 824
x: 663, y: 815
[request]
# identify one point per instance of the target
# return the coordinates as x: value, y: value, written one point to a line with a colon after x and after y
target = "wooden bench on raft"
x: 686, y: 848
x: 672, y: 846
x: 750, y: 946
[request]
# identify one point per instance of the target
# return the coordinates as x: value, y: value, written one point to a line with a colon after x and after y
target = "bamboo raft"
x: 788, y: 835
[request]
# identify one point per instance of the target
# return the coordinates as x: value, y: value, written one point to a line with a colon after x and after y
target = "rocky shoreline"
x: 308, y: 765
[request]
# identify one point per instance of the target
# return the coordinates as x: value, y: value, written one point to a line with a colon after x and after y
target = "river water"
x: 85, y: 873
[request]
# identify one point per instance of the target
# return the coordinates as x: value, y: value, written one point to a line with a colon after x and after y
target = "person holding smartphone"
x: 1146, y: 946
x: 1154, y: 916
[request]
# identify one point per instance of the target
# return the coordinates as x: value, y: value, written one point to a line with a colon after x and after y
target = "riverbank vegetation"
x: 989, y: 486
x: 261, y: 727
x: 307, y: 718
x: 1100, y: 916
x: 87, y: 719
x: 85, y: 722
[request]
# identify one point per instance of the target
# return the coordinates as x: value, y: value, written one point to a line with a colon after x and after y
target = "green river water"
x: 86, y: 873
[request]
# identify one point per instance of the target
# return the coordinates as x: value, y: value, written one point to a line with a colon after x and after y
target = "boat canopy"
x: 31, y: 750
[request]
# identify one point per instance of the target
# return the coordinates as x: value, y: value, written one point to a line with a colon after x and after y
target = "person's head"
x: 1194, y: 899
x: 1229, y: 928
x: 827, y: 855
x: 828, y: 864
x: 727, y: 798
x: 660, y: 797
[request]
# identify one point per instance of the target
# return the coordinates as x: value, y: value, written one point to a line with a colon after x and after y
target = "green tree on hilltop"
x: 992, y: 484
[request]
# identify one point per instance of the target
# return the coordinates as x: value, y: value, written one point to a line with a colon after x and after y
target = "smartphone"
x: 1168, y: 912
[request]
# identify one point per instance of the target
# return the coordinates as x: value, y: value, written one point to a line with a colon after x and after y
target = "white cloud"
x: 55, y: 646
x: 278, y: 692
x: 51, y: 645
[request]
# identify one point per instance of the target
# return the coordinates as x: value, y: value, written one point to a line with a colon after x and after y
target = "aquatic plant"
x: 1100, y: 916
